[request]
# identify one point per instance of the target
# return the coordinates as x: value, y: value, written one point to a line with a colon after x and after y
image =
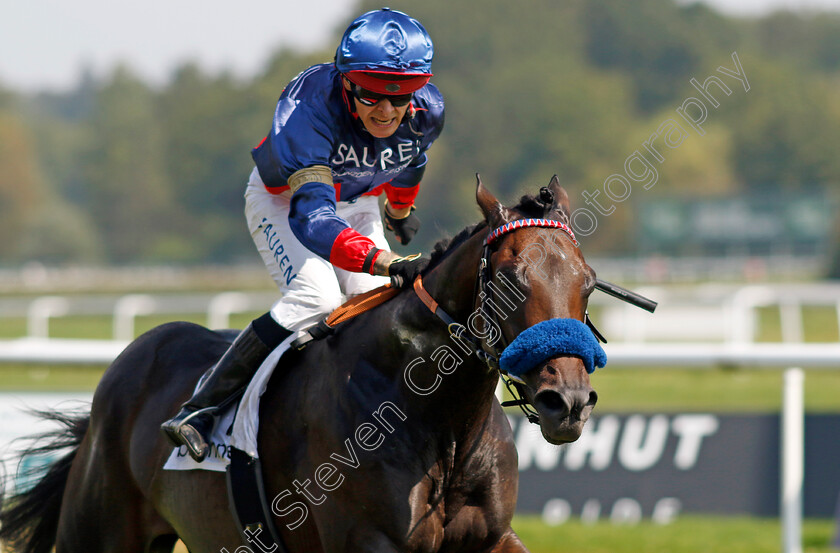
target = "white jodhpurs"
x: 311, y: 287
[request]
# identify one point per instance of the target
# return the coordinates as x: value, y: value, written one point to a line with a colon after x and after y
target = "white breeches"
x: 311, y: 287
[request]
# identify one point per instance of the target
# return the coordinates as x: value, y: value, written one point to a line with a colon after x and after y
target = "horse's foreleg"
x: 510, y: 543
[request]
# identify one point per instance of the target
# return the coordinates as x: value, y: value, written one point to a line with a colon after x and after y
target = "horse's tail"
x: 29, y: 518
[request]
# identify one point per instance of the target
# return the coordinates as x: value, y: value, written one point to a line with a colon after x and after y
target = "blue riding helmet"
x: 384, y: 47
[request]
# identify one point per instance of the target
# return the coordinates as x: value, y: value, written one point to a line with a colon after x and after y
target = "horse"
x: 394, y: 416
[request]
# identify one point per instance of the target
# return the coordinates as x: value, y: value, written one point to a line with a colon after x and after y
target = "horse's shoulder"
x: 500, y: 425
x: 495, y: 450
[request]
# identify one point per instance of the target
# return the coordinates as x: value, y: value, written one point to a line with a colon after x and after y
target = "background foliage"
x: 116, y: 171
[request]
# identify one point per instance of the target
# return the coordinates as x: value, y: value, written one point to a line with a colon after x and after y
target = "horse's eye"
x: 511, y: 278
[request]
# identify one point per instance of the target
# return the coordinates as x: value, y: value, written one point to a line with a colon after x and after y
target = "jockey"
x: 342, y: 134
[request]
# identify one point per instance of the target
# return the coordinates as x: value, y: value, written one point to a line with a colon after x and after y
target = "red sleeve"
x: 401, y: 198
x: 350, y: 249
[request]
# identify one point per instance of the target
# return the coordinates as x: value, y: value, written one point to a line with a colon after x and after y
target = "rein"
x: 483, y: 350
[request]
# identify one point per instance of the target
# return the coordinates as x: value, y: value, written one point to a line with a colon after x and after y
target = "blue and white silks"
x: 549, y: 339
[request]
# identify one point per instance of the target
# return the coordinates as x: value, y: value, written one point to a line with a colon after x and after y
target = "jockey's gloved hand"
x: 405, y: 227
x: 404, y: 270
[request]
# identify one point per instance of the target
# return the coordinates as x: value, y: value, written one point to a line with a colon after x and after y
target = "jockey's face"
x: 381, y: 119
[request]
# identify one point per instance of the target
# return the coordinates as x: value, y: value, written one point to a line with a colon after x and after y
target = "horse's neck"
x: 465, y: 393
x: 452, y: 282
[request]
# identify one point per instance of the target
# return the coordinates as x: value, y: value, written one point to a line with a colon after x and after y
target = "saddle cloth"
x: 237, y: 427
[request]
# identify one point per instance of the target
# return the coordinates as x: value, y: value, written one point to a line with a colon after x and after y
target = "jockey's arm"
x: 402, y: 190
x: 397, y: 213
x: 315, y: 223
x: 317, y: 226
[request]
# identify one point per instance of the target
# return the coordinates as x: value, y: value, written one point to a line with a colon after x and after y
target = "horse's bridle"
x: 513, y: 383
x: 483, y: 296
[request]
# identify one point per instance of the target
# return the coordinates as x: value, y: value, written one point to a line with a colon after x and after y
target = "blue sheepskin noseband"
x: 549, y: 339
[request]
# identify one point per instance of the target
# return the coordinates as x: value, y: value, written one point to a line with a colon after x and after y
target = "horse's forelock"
x: 534, y: 206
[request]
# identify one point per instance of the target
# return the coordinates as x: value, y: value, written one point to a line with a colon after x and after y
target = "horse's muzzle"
x: 564, y: 399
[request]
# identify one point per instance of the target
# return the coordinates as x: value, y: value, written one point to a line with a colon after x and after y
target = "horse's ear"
x: 561, y: 198
x: 493, y: 210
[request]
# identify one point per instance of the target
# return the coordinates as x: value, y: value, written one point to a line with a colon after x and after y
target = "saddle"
x: 349, y: 309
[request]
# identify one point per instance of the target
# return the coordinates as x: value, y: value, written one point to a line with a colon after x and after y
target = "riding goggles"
x: 368, y: 98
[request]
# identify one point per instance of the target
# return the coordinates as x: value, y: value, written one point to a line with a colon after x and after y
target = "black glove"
x: 403, y: 270
x: 404, y: 229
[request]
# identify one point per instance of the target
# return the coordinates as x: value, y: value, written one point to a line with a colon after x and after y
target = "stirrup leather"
x: 210, y: 410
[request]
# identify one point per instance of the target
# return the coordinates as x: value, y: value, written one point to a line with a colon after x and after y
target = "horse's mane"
x: 442, y: 248
x: 530, y: 205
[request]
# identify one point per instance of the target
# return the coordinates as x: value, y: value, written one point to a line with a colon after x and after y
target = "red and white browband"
x: 522, y: 223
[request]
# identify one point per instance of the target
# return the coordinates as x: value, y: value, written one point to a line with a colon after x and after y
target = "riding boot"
x: 220, y: 385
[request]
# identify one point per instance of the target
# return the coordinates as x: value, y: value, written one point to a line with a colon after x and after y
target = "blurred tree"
x: 208, y: 132
x: 21, y: 185
x: 130, y: 194
x: 61, y: 127
x: 7, y: 98
x: 786, y: 135
x: 807, y: 40
x: 35, y: 223
x: 56, y: 232
x: 77, y: 104
x: 659, y: 44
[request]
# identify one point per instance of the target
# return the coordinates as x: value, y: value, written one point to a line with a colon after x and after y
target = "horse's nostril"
x: 569, y: 403
x: 550, y: 400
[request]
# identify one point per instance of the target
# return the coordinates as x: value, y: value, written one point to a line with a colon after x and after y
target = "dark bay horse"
x: 383, y: 437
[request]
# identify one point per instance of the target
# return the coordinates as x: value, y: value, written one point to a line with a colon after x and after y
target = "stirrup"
x: 184, y: 434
